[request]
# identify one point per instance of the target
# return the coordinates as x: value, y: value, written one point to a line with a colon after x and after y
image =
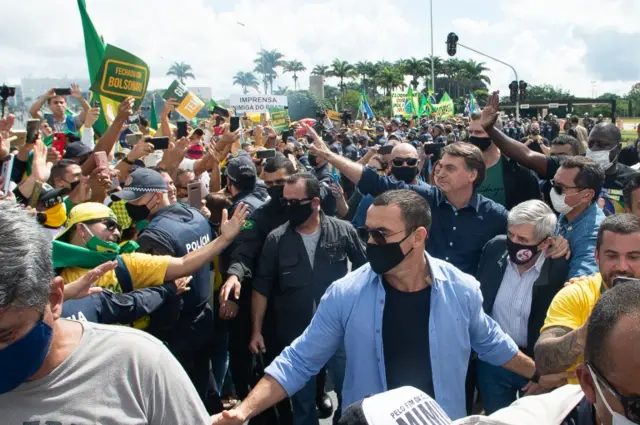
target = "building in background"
x: 316, y: 86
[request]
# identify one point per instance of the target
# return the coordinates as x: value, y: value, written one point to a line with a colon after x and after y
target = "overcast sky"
x: 565, y: 43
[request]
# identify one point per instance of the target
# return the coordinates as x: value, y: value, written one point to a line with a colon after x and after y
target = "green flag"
x: 212, y: 104
x: 94, y: 49
x: 423, y: 105
x: 408, y: 103
x: 446, y: 107
x: 153, y: 119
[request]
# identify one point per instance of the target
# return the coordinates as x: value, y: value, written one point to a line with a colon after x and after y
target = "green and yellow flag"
x: 94, y: 49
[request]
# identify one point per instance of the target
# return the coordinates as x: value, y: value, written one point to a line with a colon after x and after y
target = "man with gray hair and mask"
x: 54, y: 370
x: 518, y: 283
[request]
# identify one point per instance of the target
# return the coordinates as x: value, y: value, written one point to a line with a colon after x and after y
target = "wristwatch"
x: 126, y: 160
x: 536, y: 377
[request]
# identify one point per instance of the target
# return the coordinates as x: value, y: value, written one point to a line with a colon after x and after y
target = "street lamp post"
x: 433, y: 73
x: 264, y: 65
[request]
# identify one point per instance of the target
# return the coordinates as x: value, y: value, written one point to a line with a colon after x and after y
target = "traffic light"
x: 452, y: 39
x: 513, y: 91
x: 523, y: 90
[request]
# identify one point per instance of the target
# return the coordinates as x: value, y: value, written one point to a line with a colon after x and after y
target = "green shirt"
x: 493, y: 185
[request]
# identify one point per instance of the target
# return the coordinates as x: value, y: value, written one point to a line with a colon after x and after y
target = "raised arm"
x: 511, y: 148
x: 35, y: 108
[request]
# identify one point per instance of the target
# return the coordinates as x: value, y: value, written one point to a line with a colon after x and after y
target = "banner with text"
x: 121, y: 75
x: 278, y: 119
x: 244, y: 103
x: 398, y: 102
x: 188, y: 103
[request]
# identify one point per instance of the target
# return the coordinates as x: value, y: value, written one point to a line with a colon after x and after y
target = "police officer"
x: 242, y: 179
x: 176, y: 230
x: 299, y: 260
x: 235, y: 294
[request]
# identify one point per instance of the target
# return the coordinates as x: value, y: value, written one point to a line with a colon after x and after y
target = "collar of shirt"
x: 473, y: 202
x: 590, y: 210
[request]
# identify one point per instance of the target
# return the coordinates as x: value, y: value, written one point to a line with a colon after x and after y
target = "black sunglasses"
x: 631, y: 405
x: 399, y: 162
x: 293, y: 202
x: 559, y: 188
x: 109, y: 223
x: 380, y: 238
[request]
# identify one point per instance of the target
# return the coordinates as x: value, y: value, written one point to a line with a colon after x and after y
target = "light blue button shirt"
x: 351, y: 313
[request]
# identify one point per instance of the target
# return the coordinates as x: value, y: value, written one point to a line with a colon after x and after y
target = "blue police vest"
x: 187, y: 230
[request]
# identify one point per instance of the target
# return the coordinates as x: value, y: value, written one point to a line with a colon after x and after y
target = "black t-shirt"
x: 582, y: 414
x: 612, y: 188
x: 534, y: 145
x: 405, y: 339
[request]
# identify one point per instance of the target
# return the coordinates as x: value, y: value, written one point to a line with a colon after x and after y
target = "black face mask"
x: 298, y: 214
x: 313, y: 160
x: 483, y: 143
x: 405, y: 174
x: 137, y: 212
x: 521, y: 254
x: 275, y: 192
x: 383, y: 258
x: 72, y: 184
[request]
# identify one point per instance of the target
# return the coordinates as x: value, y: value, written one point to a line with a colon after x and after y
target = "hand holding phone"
x: 265, y: 153
x: 62, y: 92
x: 59, y: 142
x: 182, y: 129
x: 33, y: 129
x: 235, y: 124
x: 195, y: 195
x: 159, y: 143
x: 385, y: 150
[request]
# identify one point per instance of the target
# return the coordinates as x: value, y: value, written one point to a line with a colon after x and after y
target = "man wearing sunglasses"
x: 610, y: 374
x: 405, y: 319
x: 299, y: 261
x: 562, y: 339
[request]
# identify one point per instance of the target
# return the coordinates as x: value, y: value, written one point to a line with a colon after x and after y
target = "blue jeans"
x: 304, y: 401
x: 498, y: 386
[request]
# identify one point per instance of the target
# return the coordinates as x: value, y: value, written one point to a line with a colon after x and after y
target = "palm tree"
x: 389, y: 78
x: 437, y: 70
x: 474, y: 73
x: 294, y: 66
x: 181, y: 71
x: 365, y: 69
x: 415, y: 68
x: 246, y: 80
x: 266, y: 64
x: 281, y: 91
x: 320, y: 70
x: 342, y: 69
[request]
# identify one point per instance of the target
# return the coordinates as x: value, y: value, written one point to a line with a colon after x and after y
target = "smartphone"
x: 159, y: 143
x: 35, y: 195
x: 266, y: 153
x: 619, y: 279
x: 95, y: 102
x: 133, y: 119
x: 286, y: 134
x: 385, y: 150
x: 33, y: 127
x: 219, y: 120
x: 101, y: 159
x: 220, y: 111
x: 59, y: 142
x: 134, y: 138
x: 432, y: 148
x: 49, y: 119
x: 7, y: 169
x: 195, y: 194
x: 182, y: 129
x: 62, y: 92
x: 235, y: 124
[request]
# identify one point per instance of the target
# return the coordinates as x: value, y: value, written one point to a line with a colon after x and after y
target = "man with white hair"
x: 518, y: 283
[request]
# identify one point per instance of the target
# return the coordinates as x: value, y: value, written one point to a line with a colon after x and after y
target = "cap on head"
x: 139, y: 183
x: 86, y: 212
x: 241, y: 168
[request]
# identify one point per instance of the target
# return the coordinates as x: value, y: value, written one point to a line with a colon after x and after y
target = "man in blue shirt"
x: 405, y: 319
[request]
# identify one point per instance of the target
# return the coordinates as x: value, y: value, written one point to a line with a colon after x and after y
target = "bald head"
x: 604, y: 136
x: 404, y: 150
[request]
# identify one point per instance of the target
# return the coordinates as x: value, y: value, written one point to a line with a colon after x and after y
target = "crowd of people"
x: 468, y: 270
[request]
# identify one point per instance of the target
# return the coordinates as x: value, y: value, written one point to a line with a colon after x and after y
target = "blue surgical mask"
x: 23, y: 358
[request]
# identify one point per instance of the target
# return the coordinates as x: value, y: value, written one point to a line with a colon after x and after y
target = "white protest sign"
x: 398, y: 100
x: 250, y: 103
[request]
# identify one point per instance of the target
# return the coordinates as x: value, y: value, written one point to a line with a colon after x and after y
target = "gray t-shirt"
x: 115, y: 376
x: 310, y: 241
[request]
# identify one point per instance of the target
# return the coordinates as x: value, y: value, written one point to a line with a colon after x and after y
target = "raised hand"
x: 229, y: 229
x: 490, y: 112
x: 83, y: 287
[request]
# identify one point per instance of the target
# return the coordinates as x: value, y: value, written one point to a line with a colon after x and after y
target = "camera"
x: 7, y: 92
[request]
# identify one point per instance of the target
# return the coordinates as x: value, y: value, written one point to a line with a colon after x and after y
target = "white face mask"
x: 617, y: 418
x: 558, y: 203
x: 600, y: 157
